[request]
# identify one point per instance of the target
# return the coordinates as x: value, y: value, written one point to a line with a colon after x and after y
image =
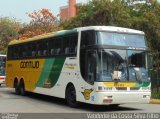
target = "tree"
x: 147, y: 19
x: 8, y: 31
x: 42, y: 21
x: 100, y: 12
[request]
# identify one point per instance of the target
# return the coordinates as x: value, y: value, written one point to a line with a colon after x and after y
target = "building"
x: 68, y: 11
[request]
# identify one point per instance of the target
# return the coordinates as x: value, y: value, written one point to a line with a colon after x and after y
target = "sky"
x: 18, y: 8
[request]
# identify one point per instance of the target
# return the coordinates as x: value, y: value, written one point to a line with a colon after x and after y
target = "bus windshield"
x: 121, y: 65
x: 2, y: 65
x: 121, y: 39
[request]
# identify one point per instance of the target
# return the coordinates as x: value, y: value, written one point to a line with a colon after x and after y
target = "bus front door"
x: 90, y: 74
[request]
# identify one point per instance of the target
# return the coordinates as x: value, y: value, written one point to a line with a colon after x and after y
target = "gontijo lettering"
x: 29, y: 64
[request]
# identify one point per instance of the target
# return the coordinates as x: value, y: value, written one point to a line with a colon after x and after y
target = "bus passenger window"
x: 52, y: 51
x: 44, y: 52
x: 73, y: 44
x: 58, y: 51
x: 58, y: 46
x: 39, y: 53
x: 66, y: 47
x: 24, y: 54
x: 75, y: 49
x: 33, y: 53
x: 19, y: 51
x: 67, y: 50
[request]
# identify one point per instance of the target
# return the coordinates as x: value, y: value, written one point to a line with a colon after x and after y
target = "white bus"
x: 102, y: 65
x: 2, y: 69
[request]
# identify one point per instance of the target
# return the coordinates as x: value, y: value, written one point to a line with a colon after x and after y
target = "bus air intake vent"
x: 134, y: 88
x: 121, y: 88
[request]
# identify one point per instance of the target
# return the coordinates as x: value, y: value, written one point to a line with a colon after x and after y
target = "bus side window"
x: 58, y: 46
x: 66, y: 46
x: 67, y: 50
x: 88, y: 38
x: 51, y: 47
x: 45, y: 48
x: 38, y: 52
x: 73, y: 44
x: 44, y: 52
x: 29, y: 51
x: 15, y: 53
x: 33, y: 49
x: 19, y: 51
x: 33, y: 53
x: 9, y: 53
x: 58, y: 51
x: 52, y: 51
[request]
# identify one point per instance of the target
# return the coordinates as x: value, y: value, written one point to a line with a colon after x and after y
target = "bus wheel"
x: 22, y: 88
x: 71, y: 96
x: 16, y: 87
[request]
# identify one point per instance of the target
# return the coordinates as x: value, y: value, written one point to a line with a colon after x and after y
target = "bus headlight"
x: 107, y: 99
x: 146, y: 96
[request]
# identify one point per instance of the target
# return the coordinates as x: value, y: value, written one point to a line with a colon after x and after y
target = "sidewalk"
x: 155, y: 101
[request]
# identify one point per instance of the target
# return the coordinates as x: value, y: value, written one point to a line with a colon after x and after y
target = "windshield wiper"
x: 116, y: 80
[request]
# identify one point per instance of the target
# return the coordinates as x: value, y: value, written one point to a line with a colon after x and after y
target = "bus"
x: 101, y: 65
x: 2, y: 69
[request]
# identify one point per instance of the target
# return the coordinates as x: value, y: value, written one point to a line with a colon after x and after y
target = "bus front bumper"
x: 107, y: 98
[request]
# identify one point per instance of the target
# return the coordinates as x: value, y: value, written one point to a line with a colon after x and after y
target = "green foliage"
x: 155, y: 94
x: 42, y: 21
x: 100, y: 12
x: 8, y: 31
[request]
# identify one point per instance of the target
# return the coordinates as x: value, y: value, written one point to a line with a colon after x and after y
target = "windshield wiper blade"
x: 117, y: 80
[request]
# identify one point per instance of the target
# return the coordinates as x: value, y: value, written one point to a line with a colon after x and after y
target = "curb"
x: 154, y: 101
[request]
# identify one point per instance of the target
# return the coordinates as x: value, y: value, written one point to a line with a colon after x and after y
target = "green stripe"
x: 56, y: 70
x: 45, y: 72
x: 51, y: 72
x: 144, y: 84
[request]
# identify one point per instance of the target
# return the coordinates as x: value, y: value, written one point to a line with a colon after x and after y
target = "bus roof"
x: 111, y: 29
x: 65, y: 32
x: 44, y: 36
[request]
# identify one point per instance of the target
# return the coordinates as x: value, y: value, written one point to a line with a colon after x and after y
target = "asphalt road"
x: 36, y: 103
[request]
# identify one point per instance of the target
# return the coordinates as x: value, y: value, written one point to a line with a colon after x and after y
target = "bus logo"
x: 87, y: 93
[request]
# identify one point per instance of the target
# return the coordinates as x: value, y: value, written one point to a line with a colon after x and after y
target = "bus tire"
x: 16, y: 87
x: 22, y: 88
x: 71, y: 96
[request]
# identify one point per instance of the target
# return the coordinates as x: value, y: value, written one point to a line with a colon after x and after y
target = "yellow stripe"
x: 119, y: 84
x: 43, y: 36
